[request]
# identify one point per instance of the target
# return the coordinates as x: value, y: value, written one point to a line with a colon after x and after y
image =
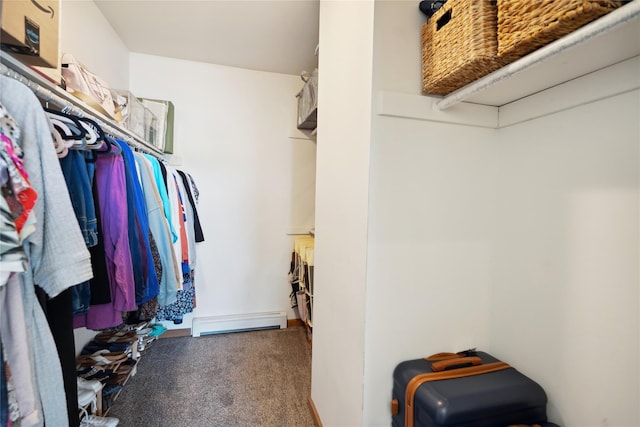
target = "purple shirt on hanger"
x: 112, y: 198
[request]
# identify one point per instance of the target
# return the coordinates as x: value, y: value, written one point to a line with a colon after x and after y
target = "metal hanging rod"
x: 50, y: 93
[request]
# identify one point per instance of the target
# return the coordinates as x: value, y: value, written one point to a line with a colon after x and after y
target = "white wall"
x: 431, y: 224
x: 231, y: 133
x: 344, y: 132
x: 86, y: 34
x: 565, y: 294
x: 431, y: 221
x: 523, y: 241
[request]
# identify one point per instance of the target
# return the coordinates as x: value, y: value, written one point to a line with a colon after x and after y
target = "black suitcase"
x: 466, y: 389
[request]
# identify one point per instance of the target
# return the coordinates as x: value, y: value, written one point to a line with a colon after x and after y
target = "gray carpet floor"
x: 242, y: 379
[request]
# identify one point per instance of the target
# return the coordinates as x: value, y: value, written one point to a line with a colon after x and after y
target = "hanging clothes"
x: 78, y: 168
x: 112, y: 200
x: 160, y: 231
x: 15, y: 336
x: 162, y: 192
x: 146, y: 281
x: 189, y: 185
x: 189, y: 259
x: 59, y: 313
x: 100, y: 288
x: 185, y: 302
x: 176, y: 221
x: 117, y: 242
x: 12, y: 255
x: 186, y: 214
x: 56, y: 232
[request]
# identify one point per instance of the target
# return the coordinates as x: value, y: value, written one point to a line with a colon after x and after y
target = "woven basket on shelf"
x: 526, y: 25
x: 459, y: 45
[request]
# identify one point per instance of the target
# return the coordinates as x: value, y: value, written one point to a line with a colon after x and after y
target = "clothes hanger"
x: 58, y: 142
x: 109, y: 148
x: 92, y: 132
x: 70, y: 135
x: 92, y: 135
x: 57, y: 126
x: 62, y: 128
x: 67, y: 118
x: 95, y: 129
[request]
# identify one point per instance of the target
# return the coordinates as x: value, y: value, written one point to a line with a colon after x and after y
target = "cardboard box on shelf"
x: 30, y: 29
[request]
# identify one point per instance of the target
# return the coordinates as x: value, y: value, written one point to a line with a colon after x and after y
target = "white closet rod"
x: 48, y: 92
x: 603, y: 25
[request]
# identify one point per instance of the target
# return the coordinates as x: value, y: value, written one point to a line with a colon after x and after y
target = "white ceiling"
x: 268, y: 35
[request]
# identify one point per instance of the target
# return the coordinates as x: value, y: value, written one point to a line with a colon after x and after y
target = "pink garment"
x: 182, y: 218
x: 24, y: 194
x: 10, y: 146
x: 112, y: 199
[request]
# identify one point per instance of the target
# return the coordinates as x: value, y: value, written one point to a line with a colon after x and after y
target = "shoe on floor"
x: 93, y: 385
x: 86, y: 397
x: 95, y: 421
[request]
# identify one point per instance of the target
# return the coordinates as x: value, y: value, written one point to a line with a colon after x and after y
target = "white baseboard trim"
x: 238, y: 322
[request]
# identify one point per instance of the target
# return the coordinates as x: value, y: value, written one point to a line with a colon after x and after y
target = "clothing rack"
x: 50, y: 93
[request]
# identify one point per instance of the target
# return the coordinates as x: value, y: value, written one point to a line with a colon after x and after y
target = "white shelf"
x: 609, y: 40
x: 49, y: 92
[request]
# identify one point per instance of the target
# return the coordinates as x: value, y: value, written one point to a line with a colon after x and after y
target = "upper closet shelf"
x: 611, y: 39
x: 50, y: 93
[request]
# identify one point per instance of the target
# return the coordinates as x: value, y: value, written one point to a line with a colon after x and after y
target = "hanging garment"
x: 14, y: 334
x: 185, y: 302
x: 100, y: 287
x: 112, y: 201
x: 147, y: 311
x: 57, y: 232
x: 197, y: 228
x: 12, y: 256
x: 182, y: 223
x: 162, y: 191
x: 59, y: 312
x: 17, y: 190
x: 78, y: 174
x: 180, y: 249
x: 186, y: 295
x: 21, y: 197
x: 139, y: 228
x: 160, y: 230
x: 189, y: 230
x: 194, y: 188
x: 138, y: 258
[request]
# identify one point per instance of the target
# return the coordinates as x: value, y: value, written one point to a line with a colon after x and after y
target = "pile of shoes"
x: 90, y: 399
x: 109, y: 359
x: 147, y: 334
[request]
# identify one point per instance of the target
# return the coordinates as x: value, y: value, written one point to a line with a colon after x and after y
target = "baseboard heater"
x: 238, y: 322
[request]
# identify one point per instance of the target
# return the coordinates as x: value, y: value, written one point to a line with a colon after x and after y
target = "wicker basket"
x: 459, y: 45
x: 526, y: 25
